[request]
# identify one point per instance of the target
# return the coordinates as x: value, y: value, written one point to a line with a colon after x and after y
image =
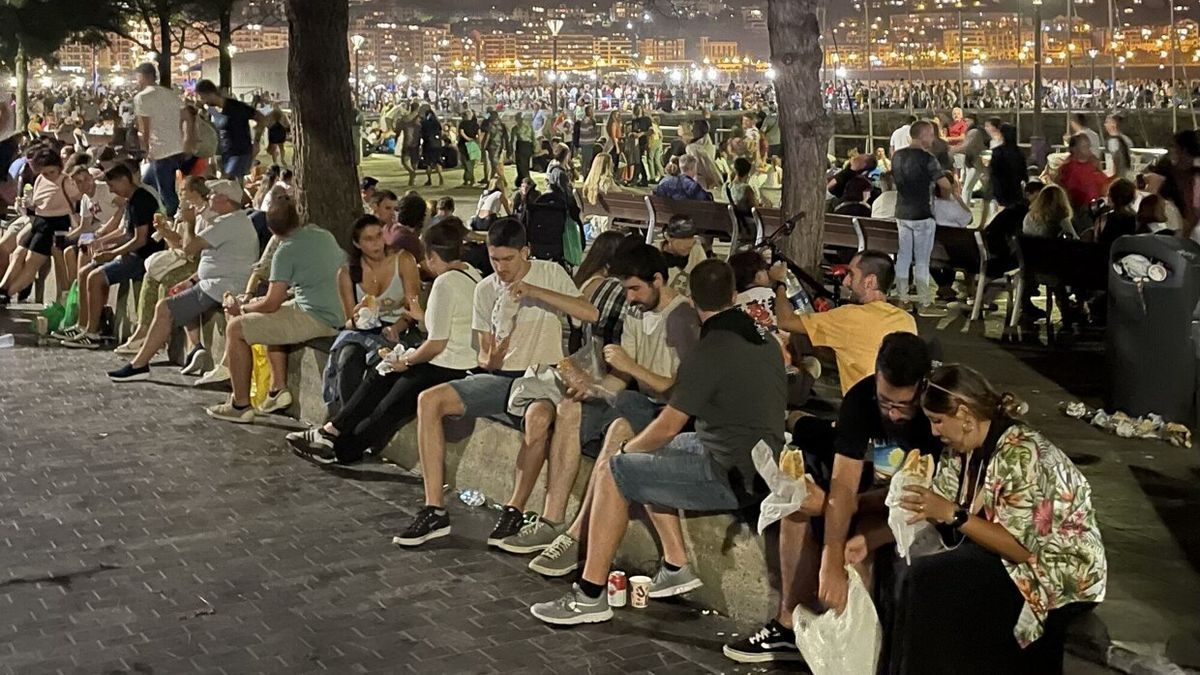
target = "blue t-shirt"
x: 308, y: 261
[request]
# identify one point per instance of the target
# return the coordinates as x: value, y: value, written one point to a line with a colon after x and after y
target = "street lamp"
x: 357, y: 41
x: 961, y: 64
x: 1037, y: 73
x: 437, y: 77
x: 555, y: 25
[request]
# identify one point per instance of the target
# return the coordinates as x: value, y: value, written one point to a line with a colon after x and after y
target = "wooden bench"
x: 710, y: 218
x: 622, y: 208
x: 840, y: 233
x: 1081, y: 265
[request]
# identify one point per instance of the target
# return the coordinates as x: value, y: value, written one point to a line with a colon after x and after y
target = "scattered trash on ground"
x: 1151, y: 426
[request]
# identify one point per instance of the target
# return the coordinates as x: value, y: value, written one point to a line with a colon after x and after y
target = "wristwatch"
x: 960, y: 518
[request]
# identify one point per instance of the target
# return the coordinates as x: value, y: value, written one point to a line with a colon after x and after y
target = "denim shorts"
x: 680, y: 475
x: 235, y: 167
x: 486, y: 395
x: 597, y: 416
x: 128, y: 267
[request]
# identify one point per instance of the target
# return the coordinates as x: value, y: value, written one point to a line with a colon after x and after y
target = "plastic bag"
x: 71, y: 306
x: 904, y: 533
x: 367, y: 318
x: 389, y: 357
x: 841, y: 644
x: 260, y: 376
x: 54, y: 314
x: 572, y: 243
x: 787, y: 493
x: 584, y: 370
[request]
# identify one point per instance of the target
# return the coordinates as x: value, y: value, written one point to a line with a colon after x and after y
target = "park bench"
x: 624, y: 209
x: 1080, y: 265
x: 711, y: 218
x: 841, y: 233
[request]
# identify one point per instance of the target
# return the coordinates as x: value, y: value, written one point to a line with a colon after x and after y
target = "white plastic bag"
x: 904, y: 533
x: 367, y: 318
x: 384, y: 367
x: 841, y: 644
x: 787, y: 493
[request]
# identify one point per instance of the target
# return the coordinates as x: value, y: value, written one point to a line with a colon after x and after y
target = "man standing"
x: 639, y: 127
x: 902, y: 136
x: 523, y: 146
x: 227, y: 248
x: 958, y: 126
x: 879, y: 416
x: 916, y: 172
x: 236, y: 148
x: 124, y: 263
x: 735, y: 408
x: 1078, y: 125
x: 770, y: 129
x: 164, y: 128
x: 971, y: 149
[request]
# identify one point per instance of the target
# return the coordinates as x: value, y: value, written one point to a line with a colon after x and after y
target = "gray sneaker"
x: 534, y: 537
x: 666, y: 583
x: 573, y: 609
x: 559, y: 559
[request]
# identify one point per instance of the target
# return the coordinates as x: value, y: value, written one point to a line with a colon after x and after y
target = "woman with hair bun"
x: 1023, y: 553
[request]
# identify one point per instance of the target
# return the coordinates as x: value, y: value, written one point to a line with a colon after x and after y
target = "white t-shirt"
x: 448, y: 317
x: 490, y: 202
x: 901, y: 138
x: 536, y: 329
x: 101, y: 206
x: 949, y: 213
x: 884, y: 206
x: 232, y: 250
x: 658, y: 340
x: 162, y: 106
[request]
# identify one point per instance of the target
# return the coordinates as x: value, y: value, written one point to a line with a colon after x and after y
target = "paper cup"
x: 639, y: 591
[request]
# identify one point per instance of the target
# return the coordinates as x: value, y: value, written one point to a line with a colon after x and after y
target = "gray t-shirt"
x: 737, y: 403
x: 915, y: 172
x: 232, y: 251
x: 308, y: 260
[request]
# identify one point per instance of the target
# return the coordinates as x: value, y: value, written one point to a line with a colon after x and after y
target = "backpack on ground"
x: 545, y: 219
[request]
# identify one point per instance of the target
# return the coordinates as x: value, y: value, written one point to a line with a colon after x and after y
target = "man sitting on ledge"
x: 736, y: 405
x: 518, y: 324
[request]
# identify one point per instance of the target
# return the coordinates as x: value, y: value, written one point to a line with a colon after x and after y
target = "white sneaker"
x: 217, y: 375
x: 130, y: 348
x: 280, y: 401
x: 195, y: 361
x: 225, y: 411
x: 69, y: 333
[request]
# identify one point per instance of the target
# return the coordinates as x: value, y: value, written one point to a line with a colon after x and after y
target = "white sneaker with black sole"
x: 194, y: 363
x: 82, y: 341
x: 771, y: 643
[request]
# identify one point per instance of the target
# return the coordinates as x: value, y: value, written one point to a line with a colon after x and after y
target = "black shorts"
x: 47, y: 233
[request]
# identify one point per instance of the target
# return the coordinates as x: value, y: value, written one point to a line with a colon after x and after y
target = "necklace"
x: 371, y: 278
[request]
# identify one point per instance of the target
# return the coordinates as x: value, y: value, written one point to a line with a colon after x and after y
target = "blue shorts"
x: 597, y: 416
x: 128, y: 267
x: 680, y: 475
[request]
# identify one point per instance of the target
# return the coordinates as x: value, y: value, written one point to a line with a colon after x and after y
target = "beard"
x: 653, y: 302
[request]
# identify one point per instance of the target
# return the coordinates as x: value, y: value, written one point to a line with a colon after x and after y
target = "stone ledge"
x: 481, y: 454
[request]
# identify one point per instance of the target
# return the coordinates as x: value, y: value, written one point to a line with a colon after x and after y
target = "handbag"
x: 572, y: 242
x: 473, y: 151
x: 159, y: 264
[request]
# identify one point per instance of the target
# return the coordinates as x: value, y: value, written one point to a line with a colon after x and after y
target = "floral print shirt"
x: 1034, y: 491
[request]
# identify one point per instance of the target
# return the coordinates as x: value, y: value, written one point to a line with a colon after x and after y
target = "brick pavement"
x: 138, y: 536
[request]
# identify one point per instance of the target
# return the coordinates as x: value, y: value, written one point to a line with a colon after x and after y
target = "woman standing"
x: 431, y: 145
x: 277, y: 133
x: 612, y: 141
x: 1024, y: 553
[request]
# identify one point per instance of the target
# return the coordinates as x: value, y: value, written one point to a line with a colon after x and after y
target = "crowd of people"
x: 614, y: 356
x: 1082, y: 94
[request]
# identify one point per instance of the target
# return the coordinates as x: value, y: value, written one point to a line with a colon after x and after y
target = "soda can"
x: 618, y: 586
x: 639, y: 592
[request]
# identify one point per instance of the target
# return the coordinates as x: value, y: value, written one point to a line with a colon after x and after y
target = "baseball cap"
x: 680, y: 227
x: 226, y: 188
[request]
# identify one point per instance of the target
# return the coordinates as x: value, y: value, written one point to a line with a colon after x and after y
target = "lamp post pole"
x: 1092, y: 81
x: 1112, y: 57
x: 437, y: 78
x: 962, y: 97
x: 1070, y: 63
x: 357, y: 41
x: 1037, y: 69
x: 870, y: 78
x: 1174, y: 62
x: 555, y: 25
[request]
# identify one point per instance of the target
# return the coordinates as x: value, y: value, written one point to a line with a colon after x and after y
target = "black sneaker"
x: 313, y: 444
x: 772, y: 642
x: 510, y: 522
x: 82, y: 341
x: 129, y: 373
x: 426, y: 526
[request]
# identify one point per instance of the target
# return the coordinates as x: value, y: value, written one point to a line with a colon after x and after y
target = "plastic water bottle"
x: 801, y: 302
x: 7, y: 340
x: 472, y: 497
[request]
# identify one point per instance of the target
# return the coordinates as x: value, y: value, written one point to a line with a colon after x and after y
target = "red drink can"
x: 618, y: 587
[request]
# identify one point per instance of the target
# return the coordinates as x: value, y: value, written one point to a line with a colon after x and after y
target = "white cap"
x: 226, y: 188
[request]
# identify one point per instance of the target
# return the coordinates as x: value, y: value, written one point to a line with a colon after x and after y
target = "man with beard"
x: 660, y: 329
x: 880, y: 419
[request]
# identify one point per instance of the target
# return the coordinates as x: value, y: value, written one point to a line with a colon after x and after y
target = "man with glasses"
x: 850, y: 463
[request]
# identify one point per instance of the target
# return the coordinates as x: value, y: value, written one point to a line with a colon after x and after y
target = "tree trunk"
x: 164, y: 47
x: 224, y: 58
x: 806, y: 126
x: 323, y: 118
x: 21, y: 65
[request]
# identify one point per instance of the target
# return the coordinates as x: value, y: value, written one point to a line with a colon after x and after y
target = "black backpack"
x: 545, y: 219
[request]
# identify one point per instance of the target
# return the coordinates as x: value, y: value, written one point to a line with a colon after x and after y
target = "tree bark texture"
x: 323, y: 117
x: 224, y: 58
x: 164, y: 48
x: 22, y: 68
x: 795, y: 33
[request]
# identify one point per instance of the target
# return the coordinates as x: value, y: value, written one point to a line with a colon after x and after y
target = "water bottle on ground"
x: 472, y: 497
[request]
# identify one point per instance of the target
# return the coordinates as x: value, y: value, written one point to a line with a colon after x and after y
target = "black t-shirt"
x: 839, y: 181
x: 139, y: 211
x: 858, y: 209
x: 915, y: 172
x: 234, y: 124
x: 863, y: 432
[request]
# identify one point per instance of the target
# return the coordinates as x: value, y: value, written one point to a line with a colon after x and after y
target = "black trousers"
x: 380, y: 404
x: 524, y: 158
x: 956, y: 612
x: 351, y: 369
